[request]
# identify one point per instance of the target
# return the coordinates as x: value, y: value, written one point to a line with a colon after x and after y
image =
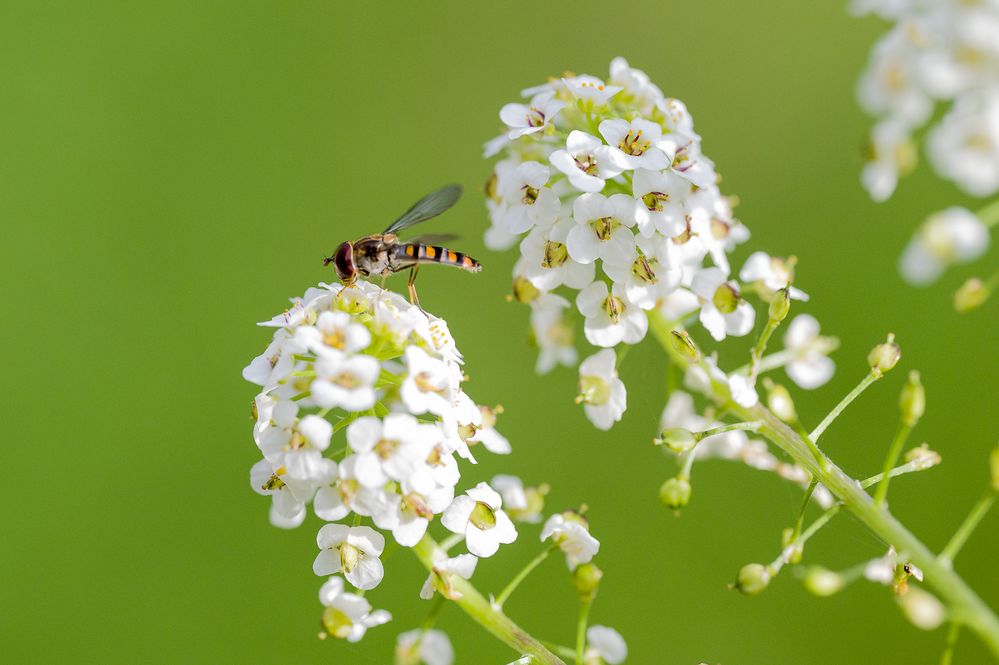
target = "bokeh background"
x: 172, y: 172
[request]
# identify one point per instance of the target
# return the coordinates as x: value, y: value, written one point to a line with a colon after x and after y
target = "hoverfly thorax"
x: 343, y: 262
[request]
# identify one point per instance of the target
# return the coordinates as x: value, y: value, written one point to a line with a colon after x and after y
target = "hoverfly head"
x: 343, y: 262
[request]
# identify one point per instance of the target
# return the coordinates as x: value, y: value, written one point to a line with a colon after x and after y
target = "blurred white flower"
x: 428, y: 647
x: 948, y: 237
x: 809, y: 367
x: 604, y: 645
x: 348, y: 616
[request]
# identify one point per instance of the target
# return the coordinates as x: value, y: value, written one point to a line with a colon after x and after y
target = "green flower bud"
x: 797, y: 549
x: 677, y: 439
x: 922, y: 608
x: 779, y: 401
x: 823, y: 582
x: 683, y: 345
x: 884, y: 356
x: 971, y: 295
x: 586, y: 580
x: 753, y: 578
x: 675, y: 492
x: 780, y: 304
x: 912, y: 401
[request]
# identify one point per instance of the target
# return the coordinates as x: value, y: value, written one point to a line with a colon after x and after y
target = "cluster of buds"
x: 362, y: 416
x: 620, y: 220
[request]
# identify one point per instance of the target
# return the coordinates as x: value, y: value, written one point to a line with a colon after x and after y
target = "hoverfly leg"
x: 413, y: 298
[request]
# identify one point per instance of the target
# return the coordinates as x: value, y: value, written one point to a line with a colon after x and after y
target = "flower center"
x: 614, y: 307
x: 337, y: 339
x: 604, y: 227
x: 654, y: 201
x: 482, y: 517
x: 555, y: 254
x: 594, y: 390
x: 336, y: 622
x: 385, y: 447
x: 349, y: 556
x: 530, y: 195
x: 719, y: 229
x: 726, y: 298
x: 490, y: 187
x: 535, y: 118
x: 273, y: 483
x: 417, y: 505
x: 523, y: 290
x: 424, y: 381
x: 643, y: 270
x: 586, y: 163
x: 346, y: 380
x: 633, y: 144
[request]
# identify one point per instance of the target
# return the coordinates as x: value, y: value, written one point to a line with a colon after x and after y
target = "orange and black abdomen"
x: 420, y: 253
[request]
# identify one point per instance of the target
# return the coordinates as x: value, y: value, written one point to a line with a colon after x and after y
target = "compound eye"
x: 343, y: 261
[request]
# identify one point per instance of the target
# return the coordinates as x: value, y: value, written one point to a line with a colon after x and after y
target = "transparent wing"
x: 429, y: 206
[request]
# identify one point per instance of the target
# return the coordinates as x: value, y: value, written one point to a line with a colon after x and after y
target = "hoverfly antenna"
x: 327, y: 260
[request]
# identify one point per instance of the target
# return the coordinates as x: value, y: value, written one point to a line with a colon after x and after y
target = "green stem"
x: 522, y: 575
x: 952, y: 633
x: 967, y: 528
x: 845, y: 402
x: 721, y: 429
x: 965, y: 605
x: 890, y: 459
x: 584, y: 619
x: 804, y: 506
x: 490, y: 618
x: 761, y: 346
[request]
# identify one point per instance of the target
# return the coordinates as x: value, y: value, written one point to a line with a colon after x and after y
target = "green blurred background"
x: 171, y: 172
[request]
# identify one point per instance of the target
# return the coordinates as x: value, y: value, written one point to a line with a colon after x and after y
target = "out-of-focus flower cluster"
x: 619, y: 217
x: 935, y: 53
x: 362, y: 416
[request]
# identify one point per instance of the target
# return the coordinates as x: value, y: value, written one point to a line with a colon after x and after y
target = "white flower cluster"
x: 951, y: 236
x: 366, y: 362
x: 935, y: 52
x: 611, y: 176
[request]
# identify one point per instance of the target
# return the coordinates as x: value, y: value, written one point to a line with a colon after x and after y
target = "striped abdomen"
x: 416, y: 252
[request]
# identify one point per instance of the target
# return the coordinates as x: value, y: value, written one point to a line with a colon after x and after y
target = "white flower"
x: 546, y: 262
x: 337, y: 491
x: 637, y: 144
x: 571, y: 533
x: 659, y: 202
x: 462, y: 566
x: 352, y: 550
x: 723, y: 311
x: 772, y: 273
x: 294, y: 444
x: 602, y: 229
x: 602, y: 393
x: 478, y: 516
x: 552, y: 333
x: 527, y: 201
x: 590, y: 89
x: 430, y: 384
x: 347, y: 616
x: 810, y: 367
x: 289, y: 495
x: 891, y: 153
x: 610, y: 317
x: 954, y: 235
x: 586, y: 161
x: 525, y: 119
x: 882, y: 570
x: 636, y: 83
x: 523, y: 504
x: 431, y: 647
x: 334, y: 330
x: 485, y: 432
x: 416, y: 509
x: 345, y: 381
x: 649, y: 271
x: 395, y: 448
x: 604, y: 645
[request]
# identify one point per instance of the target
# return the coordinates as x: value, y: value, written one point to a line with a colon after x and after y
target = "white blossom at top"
x: 586, y: 161
x: 604, y: 645
x: 524, y: 119
x: 948, y: 237
x: 478, y: 516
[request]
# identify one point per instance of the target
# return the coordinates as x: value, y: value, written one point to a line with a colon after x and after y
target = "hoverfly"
x: 383, y: 254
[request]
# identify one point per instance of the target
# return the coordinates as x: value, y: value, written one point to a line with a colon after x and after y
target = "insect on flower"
x: 383, y: 254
